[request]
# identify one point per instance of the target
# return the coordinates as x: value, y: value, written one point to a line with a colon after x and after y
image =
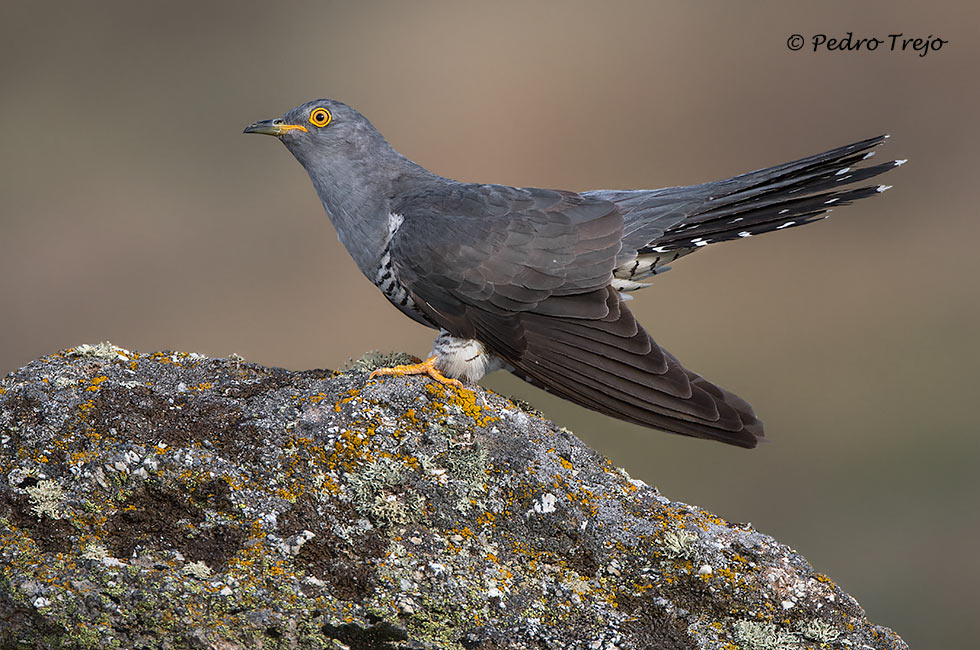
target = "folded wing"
x: 532, y: 282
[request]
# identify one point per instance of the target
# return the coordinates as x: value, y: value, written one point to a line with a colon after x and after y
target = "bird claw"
x: 427, y: 367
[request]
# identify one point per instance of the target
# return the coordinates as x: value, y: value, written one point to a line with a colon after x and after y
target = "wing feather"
x: 533, y: 284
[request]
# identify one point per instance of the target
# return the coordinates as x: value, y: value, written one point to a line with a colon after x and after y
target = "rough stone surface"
x: 170, y: 500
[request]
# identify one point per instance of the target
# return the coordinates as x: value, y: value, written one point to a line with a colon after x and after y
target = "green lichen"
x: 437, y: 621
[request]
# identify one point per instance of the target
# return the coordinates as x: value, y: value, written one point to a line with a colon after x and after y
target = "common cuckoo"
x: 535, y: 280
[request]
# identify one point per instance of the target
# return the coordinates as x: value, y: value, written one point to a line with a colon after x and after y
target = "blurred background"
x: 133, y: 209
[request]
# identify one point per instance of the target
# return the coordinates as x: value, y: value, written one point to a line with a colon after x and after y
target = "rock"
x: 170, y: 500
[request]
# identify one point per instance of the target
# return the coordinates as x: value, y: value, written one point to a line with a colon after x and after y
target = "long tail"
x: 777, y: 198
x: 662, y: 225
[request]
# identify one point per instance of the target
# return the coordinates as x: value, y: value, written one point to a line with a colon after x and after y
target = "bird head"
x: 323, y: 130
x: 352, y: 168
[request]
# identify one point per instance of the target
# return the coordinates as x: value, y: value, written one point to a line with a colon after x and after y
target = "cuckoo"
x: 536, y: 281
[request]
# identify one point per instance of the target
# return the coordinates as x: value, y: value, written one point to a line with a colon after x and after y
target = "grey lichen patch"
x: 466, y: 462
x: 375, y: 359
x: 47, y: 498
x: 764, y: 636
x: 378, y: 491
x: 467, y: 467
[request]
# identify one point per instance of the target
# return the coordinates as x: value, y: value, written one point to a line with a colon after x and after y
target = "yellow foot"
x: 427, y: 367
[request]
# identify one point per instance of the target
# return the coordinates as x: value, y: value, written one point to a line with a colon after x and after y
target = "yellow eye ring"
x: 320, y: 117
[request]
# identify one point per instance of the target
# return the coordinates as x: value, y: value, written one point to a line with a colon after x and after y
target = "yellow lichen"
x: 95, y: 383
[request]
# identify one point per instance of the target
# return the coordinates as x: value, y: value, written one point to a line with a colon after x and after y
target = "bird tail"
x: 775, y: 198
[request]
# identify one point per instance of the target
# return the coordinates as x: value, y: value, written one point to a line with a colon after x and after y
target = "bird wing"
x: 528, y: 273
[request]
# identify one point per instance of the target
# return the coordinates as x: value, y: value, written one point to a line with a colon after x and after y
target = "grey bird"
x: 536, y: 280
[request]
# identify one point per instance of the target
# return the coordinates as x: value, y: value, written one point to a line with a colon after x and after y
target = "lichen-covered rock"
x: 170, y: 500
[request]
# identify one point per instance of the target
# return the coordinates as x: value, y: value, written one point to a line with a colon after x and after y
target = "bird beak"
x: 272, y: 127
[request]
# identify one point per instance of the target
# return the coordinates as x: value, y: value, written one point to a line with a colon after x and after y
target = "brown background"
x: 132, y: 209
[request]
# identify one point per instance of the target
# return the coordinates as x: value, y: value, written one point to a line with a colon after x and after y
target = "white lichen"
x: 198, y: 570
x: 679, y: 544
x: 546, y: 504
x: 819, y: 631
x: 378, y: 491
x: 46, y: 497
x: 104, y: 350
x: 764, y: 636
x: 94, y: 551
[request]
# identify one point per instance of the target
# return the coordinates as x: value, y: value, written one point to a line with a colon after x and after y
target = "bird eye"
x: 320, y: 117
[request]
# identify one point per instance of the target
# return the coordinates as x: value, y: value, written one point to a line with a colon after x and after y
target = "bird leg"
x: 427, y: 367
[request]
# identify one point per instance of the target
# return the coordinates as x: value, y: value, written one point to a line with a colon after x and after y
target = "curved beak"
x: 272, y: 127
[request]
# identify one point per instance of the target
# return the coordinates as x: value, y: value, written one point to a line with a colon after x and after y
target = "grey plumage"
x: 535, y: 279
